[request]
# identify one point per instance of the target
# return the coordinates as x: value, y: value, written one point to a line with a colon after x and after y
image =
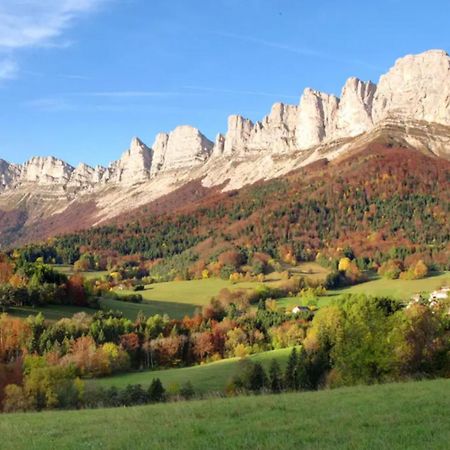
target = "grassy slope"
x: 68, y: 270
x: 401, y: 289
x: 180, y: 298
x: 394, y: 416
x: 50, y: 312
x: 211, y: 377
x: 176, y: 298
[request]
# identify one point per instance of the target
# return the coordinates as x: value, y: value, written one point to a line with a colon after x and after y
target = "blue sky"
x: 79, y: 78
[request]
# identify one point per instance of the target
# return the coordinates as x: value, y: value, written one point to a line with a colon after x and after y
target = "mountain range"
x: 408, y: 108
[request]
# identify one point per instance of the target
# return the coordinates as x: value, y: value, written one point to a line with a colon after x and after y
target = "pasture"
x: 411, y: 416
x: 210, y: 377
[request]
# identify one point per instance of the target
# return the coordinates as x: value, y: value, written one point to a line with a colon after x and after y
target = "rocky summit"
x: 409, y: 106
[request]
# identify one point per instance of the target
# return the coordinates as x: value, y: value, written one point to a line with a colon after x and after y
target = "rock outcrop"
x: 133, y: 167
x: 183, y: 148
x: 238, y: 133
x: 276, y: 132
x: 354, y: 114
x: 45, y: 170
x: 417, y: 87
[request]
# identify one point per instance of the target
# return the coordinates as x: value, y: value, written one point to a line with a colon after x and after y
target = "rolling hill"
x: 410, y: 415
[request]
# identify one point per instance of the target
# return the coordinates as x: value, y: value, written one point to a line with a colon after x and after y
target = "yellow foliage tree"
x: 344, y: 264
x: 205, y: 274
x: 420, y: 270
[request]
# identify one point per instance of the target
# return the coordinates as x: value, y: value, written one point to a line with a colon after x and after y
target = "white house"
x: 440, y: 294
x: 297, y: 309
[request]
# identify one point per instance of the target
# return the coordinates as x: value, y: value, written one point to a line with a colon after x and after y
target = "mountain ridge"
x: 410, y: 107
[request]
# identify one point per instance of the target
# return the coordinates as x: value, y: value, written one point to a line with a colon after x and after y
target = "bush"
x: 187, y: 390
x: 391, y: 269
x: 131, y: 298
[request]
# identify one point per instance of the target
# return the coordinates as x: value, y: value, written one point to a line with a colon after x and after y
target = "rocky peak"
x: 86, y: 176
x: 184, y: 147
x: 417, y: 87
x: 238, y: 133
x: 219, y: 146
x: 276, y: 132
x: 354, y: 114
x: 46, y: 170
x: 134, y: 164
x: 159, y: 148
x: 316, y: 119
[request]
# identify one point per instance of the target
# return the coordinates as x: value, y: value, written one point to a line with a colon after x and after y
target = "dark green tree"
x: 275, y: 378
x: 290, y: 374
x: 156, y: 391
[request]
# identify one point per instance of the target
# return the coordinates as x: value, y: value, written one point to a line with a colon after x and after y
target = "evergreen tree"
x: 257, y: 379
x: 275, y: 379
x: 156, y: 391
x: 290, y: 375
x: 303, y: 371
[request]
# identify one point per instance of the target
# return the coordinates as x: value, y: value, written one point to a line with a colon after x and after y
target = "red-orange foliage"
x: 76, y: 291
x: 230, y: 258
x: 203, y: 345
x: 10, y: 374
x: 129, y: 342
x: 6, y: 271
x: 14, y: 333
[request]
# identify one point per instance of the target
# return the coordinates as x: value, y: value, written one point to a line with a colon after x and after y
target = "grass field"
x: 180, y: 298
x: 393, y: 416
x: 50, y: 312
x: 211, y: 377
x: 68, y: 270
x: 401, y: 289
x: 176, y: 298
x: 377, y: 286
x: 149, y: 308
x: 310, y: 270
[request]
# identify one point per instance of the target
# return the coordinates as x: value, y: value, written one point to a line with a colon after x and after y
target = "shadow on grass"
x: 149, y: 308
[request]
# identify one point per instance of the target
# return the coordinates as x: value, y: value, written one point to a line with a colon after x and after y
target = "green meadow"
x: 181, y: 298
x: 401, y: 289
x: 379, y: 287
x: 176, y: 298
x: 210, y: 377
x: 411, y: 416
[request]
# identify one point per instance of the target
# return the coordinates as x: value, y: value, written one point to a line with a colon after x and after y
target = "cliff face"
x: 410, y: 105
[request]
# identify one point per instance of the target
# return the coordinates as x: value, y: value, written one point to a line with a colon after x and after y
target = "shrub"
x: 131, y: 298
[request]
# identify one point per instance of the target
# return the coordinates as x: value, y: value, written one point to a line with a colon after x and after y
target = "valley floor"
x: 409, y: 416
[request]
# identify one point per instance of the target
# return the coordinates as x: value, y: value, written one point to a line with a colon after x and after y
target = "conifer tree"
x: 290, y: 375
x: 275, y: 380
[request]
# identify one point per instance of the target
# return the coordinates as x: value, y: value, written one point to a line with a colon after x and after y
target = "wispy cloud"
x: 51, y: 104
x: 102, y: 100
x: 8, y: 69
x: 33, y: 23
x: 305, y: 51
x: 239, y: 92
x: 127, y: 94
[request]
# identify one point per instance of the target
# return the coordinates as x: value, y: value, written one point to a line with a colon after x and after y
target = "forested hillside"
x: 381, y: 202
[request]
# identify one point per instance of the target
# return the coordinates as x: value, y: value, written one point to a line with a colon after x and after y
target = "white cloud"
x: 239, y: 92
x: 25, y: 23
x: 8, y: 69
x: 49, y: 104
x: 304, y: 51
x: 32, y: 23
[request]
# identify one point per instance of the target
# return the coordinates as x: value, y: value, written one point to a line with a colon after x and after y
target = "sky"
x: 80, y: 78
